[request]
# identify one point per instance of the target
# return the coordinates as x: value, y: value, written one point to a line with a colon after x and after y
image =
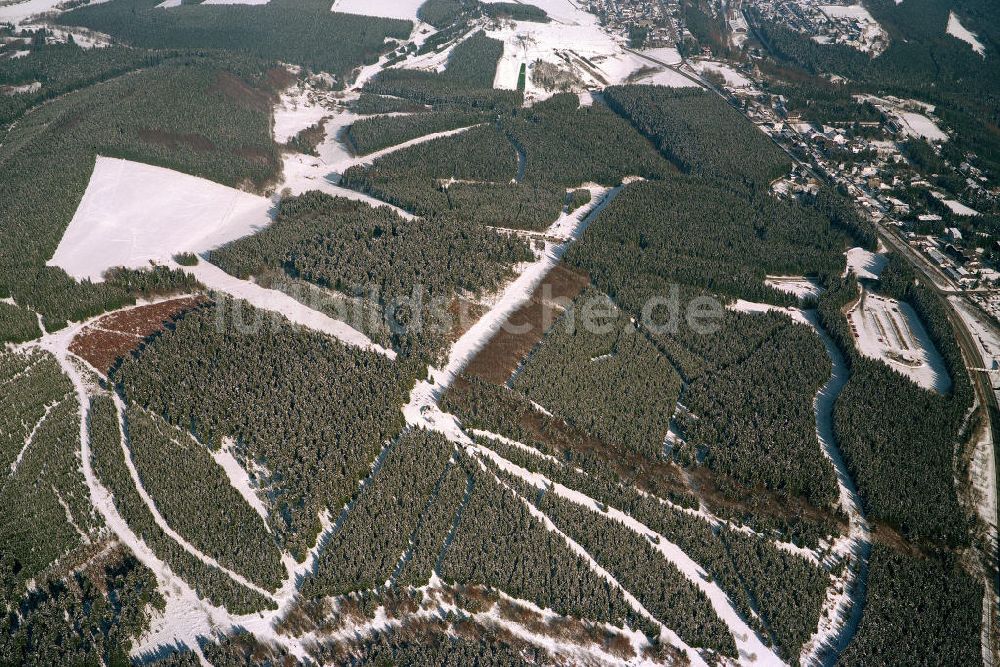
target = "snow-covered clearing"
x: 239, y: 479
x: 959, y: 31
x: 743, y: 306
x: 134, y: 213
x: 733, y: 78
x: 891, y: 331
x: 798, y: 286
x: 920, y: 126
x: 865, y: 264
x: 667, y: 54
x: 392, y: 9
x: 577, y: 51
x: 958, y: 208
x: 274, y: 301
x: 24, y: 89
x: 297, y: 109
x: 20, y: 12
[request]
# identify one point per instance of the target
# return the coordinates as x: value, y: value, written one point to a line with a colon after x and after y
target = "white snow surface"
x: 959, y: 31
x: 296, y: 111
x: 920, y: 126
x: 733, y: 78
x: 278, y: 302
x: 392, y: 9
x: 239, y: 479
x: 795, y: 285
x: 134, y: 213
x: 595, y: 57
x: 33, y: 87
x: 891, y: 331
x: 236, y: 2
x: 865, y: 264
x: 19, y: 13
x: 958, y: 208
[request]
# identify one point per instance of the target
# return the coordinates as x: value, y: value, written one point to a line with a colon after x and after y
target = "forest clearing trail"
x: 841, y: 613
x: 280, y: 303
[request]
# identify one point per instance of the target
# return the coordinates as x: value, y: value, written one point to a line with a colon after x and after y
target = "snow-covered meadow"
x: 134, y: 213
x: 959, y: 31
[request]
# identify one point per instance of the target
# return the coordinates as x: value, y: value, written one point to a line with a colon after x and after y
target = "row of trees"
x: 499, y: 544
x: 314, y: 413
x: 209, y: 582
x: 643, y: 571
x: 369, y: 135
x: 381, y: 522
x: 42, y: 483
x: 777, y: 592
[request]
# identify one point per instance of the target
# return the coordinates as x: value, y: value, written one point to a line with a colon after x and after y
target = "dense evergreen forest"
x: 375, y: 255
x: 595, y: 351
x: 348, y: 402
x: 373, y: 134
x: 705, y: 235
x: 697, y: 131
x: 302, y: 32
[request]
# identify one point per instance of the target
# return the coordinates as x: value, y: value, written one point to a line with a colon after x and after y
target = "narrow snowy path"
x: 841, y: 613
x: 158, y: 518
x: 30, y: 438
x: 278, y: 302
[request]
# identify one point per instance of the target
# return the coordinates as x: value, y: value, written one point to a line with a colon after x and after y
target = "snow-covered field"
x: 134, y: 213
x: 891, y: 331
x: 920, y: 126
x: 733, y: 78
x: 297, y: 109
x: 803, y: 288
x: 393, y: 9
x: 959, y: 31
x: 21, y: 90
x: 958, y: 208
x: 865, y: 264
x: 586, y: 56
x: 20, y: 12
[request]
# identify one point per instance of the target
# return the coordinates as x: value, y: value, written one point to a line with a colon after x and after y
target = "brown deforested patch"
x: 279, y: 78
x: 108, y: 339
x: 174, y: 140
x: 241, y: 92
x: 526, y: 326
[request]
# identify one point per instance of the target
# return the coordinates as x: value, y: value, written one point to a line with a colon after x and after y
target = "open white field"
x: 581, y: 55
x: 891, y: 331
x: 133, y: 213
x: 392, y: 9
x: 959, y: 31
x: 733, y: 78
x: 865, y: 264
x: 920, y: 126
x: 799, y: 286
